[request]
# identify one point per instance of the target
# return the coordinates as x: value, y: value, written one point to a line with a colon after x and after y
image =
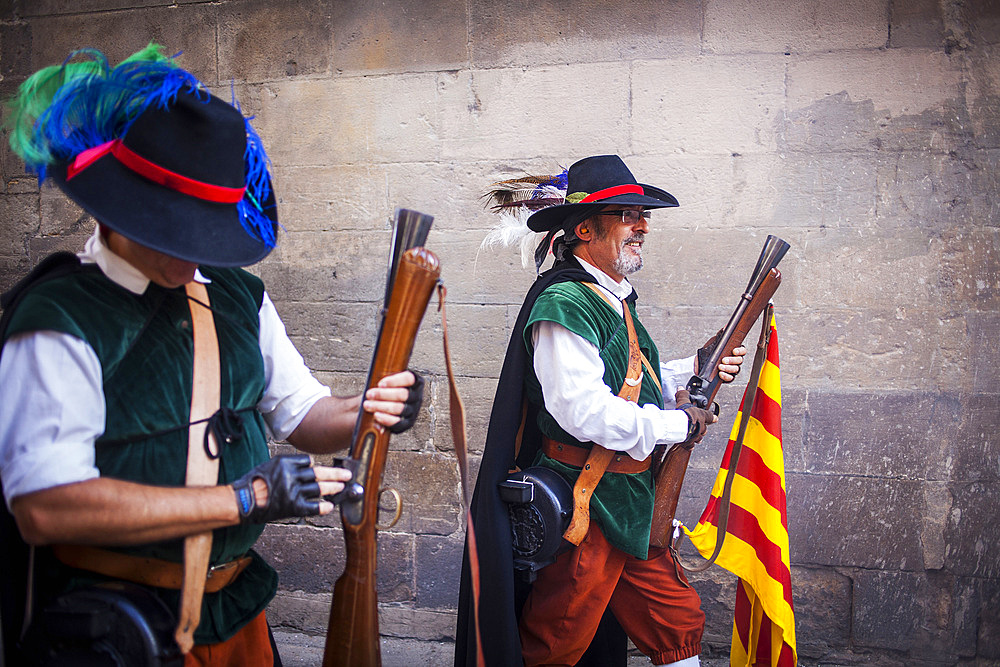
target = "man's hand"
x: 698, y: 418
x: 730, y: 366
x: 395, y: 400
x: 287, y: 486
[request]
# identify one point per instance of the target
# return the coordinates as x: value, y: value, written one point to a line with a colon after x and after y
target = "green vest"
x: 145, y: 348
x: 622, y: 504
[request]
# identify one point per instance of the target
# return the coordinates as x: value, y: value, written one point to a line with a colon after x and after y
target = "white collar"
x: 116, y: 268
x: 618, y: 290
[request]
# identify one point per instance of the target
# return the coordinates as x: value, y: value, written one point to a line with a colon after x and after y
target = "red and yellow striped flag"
x: 756, y: 544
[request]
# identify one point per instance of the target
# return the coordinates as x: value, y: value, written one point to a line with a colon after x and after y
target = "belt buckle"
x: 221, y: 569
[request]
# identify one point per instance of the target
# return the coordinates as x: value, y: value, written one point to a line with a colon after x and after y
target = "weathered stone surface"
x: 119, y: 34
x: 541, y: 33
x: 916, y: 23
x: 855, y: 521
x: 974, y: 448
x: 890, y: 611
x: 736, y: 98
x: 438, y: 567
x: 311, y: 559
x: 902, y: 436
x: 428, y: 484
x: 388, y: 37
x: 972, y: 540
x: 20, y: 216
x: 341, y: 198
x: 774, y: 26
x: 260, y: 40
x: 478, y: 120
x: 347, y: 120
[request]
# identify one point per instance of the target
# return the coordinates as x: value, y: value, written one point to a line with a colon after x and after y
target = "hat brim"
x: 182, y: 226
x: 551, y: 217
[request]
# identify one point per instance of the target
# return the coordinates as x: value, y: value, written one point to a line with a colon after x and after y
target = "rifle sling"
x: 456, y: 411
x: 202, y: 468
x: 722, y: 521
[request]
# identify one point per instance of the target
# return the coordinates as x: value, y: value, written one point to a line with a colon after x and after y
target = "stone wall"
x: 865, y: 132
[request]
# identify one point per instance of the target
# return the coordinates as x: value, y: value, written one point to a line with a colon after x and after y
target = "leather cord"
x: 725, y: 500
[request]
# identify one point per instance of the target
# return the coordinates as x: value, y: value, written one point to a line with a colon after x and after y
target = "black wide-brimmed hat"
x: 174, y: 183
x: 151, y: 154
x: 595, y: 182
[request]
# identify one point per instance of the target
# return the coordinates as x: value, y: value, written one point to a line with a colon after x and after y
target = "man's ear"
x: 584, y: 231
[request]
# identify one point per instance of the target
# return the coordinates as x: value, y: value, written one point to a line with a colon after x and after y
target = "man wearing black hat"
x: 143, y: 378
x: 583, y: 370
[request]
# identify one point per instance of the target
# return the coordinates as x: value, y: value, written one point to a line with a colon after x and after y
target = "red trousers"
x: 250, y: 647
x: 658, y: 613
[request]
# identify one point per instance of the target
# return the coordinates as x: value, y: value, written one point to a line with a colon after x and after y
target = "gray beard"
x: 627, y: 264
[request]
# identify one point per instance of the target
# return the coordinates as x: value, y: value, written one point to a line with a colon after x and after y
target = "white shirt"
x: 571, y: 373
x: 52, y: 406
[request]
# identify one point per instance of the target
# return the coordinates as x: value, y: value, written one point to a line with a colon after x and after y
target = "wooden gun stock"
x: 705, y: 385
x: 352, y: 635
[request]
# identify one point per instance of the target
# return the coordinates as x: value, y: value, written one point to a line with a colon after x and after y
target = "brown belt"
x: 577, y: 456
x: 146, y: 571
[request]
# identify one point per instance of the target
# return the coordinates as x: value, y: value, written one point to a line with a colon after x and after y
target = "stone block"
x: 59, y: 214
x: 343, y: 198
x: 823, y: 599
x: 867, y: 347
x: 351, y: 120
x: 12, y: 269
x: 855, y: 521
x: 774, y: 26
x: 261, y: 41
x: 43, y: 8
x: 520, y: 33
x: 970, y: 272
x: 477, y: 397
x: 328, y: 266
x: 917, y: 23
x: 974, y: 449
x: 428, y: 484
x: 332, y: 336
x: 843, y: 104
x: 189, y: 28
x: 736, y: 99
x: 425, y: 624
x: 439, y: 569
x: 299, y: 611
x: 970, y: 535
x: 477, y: 340
x: 371, y: 37
x: 889, y: 435
x: 20, y: 216
x: 891, y: 610
x: 479, y: 120
x: 15, y: 49
x: 309, y: 559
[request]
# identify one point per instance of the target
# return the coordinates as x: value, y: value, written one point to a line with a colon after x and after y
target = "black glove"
x: 698, y: 418
x: 292, y: 490
x: 412, y: 407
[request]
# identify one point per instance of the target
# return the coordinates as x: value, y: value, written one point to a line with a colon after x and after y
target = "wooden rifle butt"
x: 352, y: 638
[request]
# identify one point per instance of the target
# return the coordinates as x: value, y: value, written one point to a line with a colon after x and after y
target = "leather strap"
x: 575, y: 455
x: 202, y: 470
x: 145, y: 571
x: 456, y: 413
x: 600, y: 457
x: 722, y: 521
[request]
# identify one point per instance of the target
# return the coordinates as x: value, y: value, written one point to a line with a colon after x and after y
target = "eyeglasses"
x: 629, y: 216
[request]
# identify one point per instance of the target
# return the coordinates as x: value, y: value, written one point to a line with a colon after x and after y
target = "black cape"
x: 502, y: 595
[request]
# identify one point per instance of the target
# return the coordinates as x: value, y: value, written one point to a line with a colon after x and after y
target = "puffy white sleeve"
x: 51, y: 412
x: 290, y: 389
